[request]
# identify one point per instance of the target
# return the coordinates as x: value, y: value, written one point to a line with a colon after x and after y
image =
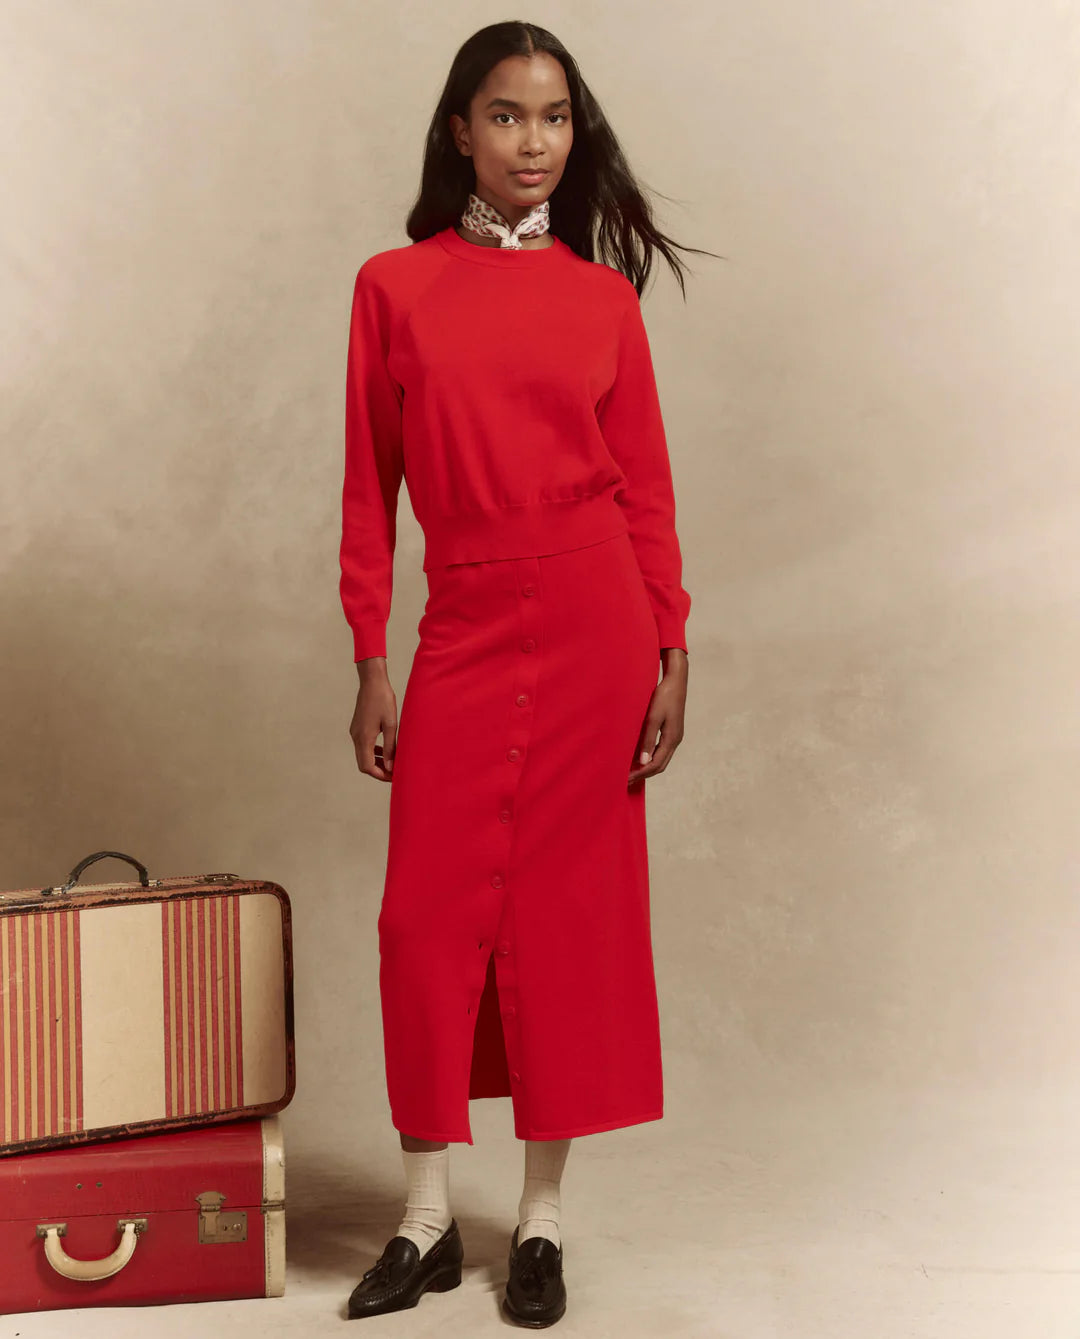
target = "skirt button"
x: 522, y: 699
x: 504, y: 815
x: 496, y: 881
x: 528, y: 644
x: 513, y: 754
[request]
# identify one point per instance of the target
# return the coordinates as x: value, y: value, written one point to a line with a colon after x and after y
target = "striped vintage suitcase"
x: 131, y: 1008
x: 189, y: 1216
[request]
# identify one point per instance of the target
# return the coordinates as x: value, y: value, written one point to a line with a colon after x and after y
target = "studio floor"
x: 922, y: 1215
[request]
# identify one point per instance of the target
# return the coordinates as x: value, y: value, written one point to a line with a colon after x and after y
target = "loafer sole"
x: 533, y: 1322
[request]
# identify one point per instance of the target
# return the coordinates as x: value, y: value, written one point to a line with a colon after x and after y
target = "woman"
x: 505, y: 375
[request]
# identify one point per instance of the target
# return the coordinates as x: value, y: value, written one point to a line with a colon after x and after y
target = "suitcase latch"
x: 217, y: 1228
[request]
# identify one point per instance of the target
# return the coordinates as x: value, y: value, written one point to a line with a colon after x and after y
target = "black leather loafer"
x: 401, y: 1275
x: 535, y: 1292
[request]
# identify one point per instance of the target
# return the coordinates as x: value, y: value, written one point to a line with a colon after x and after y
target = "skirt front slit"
x: 514, y: 931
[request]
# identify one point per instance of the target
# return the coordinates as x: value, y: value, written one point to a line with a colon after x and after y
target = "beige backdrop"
x: 864, y: 856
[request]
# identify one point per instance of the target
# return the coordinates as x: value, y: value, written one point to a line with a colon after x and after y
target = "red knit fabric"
x: 514, y: 392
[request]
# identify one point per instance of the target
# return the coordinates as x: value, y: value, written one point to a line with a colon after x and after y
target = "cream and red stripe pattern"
x: 135, y: 1013
x: 204, y: 1040
x: 40, y: 1026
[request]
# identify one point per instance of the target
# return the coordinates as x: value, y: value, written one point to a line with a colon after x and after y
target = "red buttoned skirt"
x: 514, y: 931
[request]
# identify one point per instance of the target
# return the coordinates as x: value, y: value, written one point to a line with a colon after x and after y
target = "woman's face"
x: 518, y: 118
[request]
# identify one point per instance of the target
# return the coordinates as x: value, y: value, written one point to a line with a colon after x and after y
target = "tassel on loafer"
x: 401, y: 1275
x: 535, y: 1291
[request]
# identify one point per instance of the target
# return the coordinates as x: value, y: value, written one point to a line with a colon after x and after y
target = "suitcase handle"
x: 89, y: 1271
x: 73, y: 877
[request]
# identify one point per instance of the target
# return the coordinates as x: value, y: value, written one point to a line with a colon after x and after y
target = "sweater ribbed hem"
x: 527, y: 531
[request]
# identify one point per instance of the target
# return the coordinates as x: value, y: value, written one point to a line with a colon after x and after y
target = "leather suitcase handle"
x: 90, y: 1271
x: 73, y: 877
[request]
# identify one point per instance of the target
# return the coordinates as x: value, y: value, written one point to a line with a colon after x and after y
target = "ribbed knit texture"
x: 427, y: 1209
x: 541, y: 1200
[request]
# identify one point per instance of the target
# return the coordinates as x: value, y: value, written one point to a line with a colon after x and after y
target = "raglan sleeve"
x: 633, y: 429
x: 374, y: 469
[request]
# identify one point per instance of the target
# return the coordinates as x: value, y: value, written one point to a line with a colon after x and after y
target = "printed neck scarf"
x: 481, y: 218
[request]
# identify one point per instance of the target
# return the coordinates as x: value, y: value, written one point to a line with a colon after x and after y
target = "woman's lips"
x: 530, y: 178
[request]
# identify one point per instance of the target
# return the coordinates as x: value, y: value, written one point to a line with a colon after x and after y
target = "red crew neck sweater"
x: 514, y: 392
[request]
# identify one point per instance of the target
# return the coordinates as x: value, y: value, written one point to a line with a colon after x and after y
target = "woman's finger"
x: 369, y: 757
x: 646, y: 747
x: 389, y: 748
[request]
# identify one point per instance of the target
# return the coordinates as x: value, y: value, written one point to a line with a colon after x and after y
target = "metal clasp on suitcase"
x: 217, y: 1228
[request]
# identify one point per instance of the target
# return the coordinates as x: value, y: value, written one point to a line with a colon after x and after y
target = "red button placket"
x: 522, y: 687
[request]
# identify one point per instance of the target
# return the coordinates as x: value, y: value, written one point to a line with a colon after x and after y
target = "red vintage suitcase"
x: 189, y: 1216
x: 142, y: 1007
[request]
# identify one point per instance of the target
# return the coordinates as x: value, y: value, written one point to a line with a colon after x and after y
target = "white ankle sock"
x: 427, y: 1208
x: 538, y: 1209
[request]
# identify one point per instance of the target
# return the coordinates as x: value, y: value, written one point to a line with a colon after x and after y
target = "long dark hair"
x: 598, y: 209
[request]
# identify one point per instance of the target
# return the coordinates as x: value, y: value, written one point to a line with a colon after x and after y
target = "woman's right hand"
x: 375, y: 713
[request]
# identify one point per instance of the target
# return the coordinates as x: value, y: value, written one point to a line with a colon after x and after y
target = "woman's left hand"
x: 664, y: 717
